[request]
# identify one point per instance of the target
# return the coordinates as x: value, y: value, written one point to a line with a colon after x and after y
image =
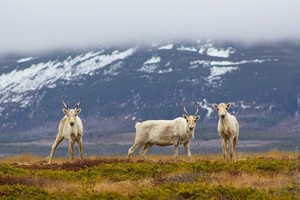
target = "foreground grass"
x: 254, y: 176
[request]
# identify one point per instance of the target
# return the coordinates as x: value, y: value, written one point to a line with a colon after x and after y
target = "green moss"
x: 207, y: 191
x: 126, y: 171
x: 23, y: 192
x: 6, y: 169
x: 104, y: 195
x: 172, y: 179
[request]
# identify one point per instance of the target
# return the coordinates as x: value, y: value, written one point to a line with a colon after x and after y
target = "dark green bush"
x: 23, y: 192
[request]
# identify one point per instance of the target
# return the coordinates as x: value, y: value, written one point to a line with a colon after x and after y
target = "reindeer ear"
x: 197, y: 117
x: 65, y: 111
x: 78, y: 110
x: 215, y: 106
x: 228, y: 105
x: 184, y: 116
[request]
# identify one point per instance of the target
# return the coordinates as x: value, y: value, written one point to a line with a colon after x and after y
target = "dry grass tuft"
x: 124, y: 187
x: 22, y: 158
x: 58, y: 186
x: 30, y: 181
x: 255, y: 181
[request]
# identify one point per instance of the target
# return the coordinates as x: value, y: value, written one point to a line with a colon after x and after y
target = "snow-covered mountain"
x: 122, y: 85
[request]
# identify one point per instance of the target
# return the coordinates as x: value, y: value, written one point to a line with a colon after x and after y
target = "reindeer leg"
x: 234, y: 142
x: 187, y: 149
x: 80, y: 148
x: 224, y: 148
x: 145, y: 149
x: 176, y: 145
x: 234, y: 145
x: 71, y: 149
x: 54, y: 146
x: 232, y: 149
x: 132, y: 149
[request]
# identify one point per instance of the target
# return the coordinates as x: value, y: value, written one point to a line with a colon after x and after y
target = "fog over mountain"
x: 34, y: 26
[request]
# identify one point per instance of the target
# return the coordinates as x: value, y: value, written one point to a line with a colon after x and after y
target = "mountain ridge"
x: 122, y: 85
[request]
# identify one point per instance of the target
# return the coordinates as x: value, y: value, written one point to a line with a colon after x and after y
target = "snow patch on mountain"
x: 91, y: 54
x: 210, y: 50
x: 193, y: 81
x: 167, y: 47
x: 216, y: 72
x: 154, y: 69
x: 90, y: 65
x: 244, y: 105
x: 196, y: 63
x: 148, y: 68
x: 168, y: 64
x: 206, y: 63
x: 165, y: 70
x: 219, y: 52
x: 184, y: 48
x: 113, y: 69
x: 206, y: 106
x: 226, y: 63
x: 15, y: 85
x: 25, y: 59
x: 153, y: 60
x: 151, y: 66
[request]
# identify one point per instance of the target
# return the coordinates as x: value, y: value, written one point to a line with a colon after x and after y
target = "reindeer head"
x: 222, y: 109
x: 71, y: 113
x: 191, y: 119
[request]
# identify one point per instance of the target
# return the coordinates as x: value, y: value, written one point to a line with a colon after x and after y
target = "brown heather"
x: 265, y: 175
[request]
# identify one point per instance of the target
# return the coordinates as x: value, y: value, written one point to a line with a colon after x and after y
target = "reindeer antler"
x: 197, y: 109
x: 188, y: 113
x: 65, y: 105
x: 77, y: 105
x: 185, y: 110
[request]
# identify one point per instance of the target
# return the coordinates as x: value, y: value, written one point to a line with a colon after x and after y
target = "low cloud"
x: 35, y: 25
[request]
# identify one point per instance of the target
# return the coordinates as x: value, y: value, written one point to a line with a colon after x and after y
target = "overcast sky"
x: 35, y: 25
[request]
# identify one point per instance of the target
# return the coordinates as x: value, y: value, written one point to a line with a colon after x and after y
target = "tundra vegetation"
x: 268, y: 175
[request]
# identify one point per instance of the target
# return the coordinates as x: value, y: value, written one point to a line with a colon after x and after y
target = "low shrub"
x: 153, y: 179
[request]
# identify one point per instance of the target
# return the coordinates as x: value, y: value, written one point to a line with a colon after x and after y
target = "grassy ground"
x: 269, y: 175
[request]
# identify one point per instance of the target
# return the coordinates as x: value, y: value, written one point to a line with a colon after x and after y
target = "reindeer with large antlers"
x: 165, y: 133
x: 70, y: 127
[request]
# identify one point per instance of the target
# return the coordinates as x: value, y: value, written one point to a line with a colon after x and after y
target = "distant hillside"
x: 122, y: 85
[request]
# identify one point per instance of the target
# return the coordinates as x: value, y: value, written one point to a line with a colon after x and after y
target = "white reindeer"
x: 228, y: 129
x: 165, y: 133
x: 70, y: 127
